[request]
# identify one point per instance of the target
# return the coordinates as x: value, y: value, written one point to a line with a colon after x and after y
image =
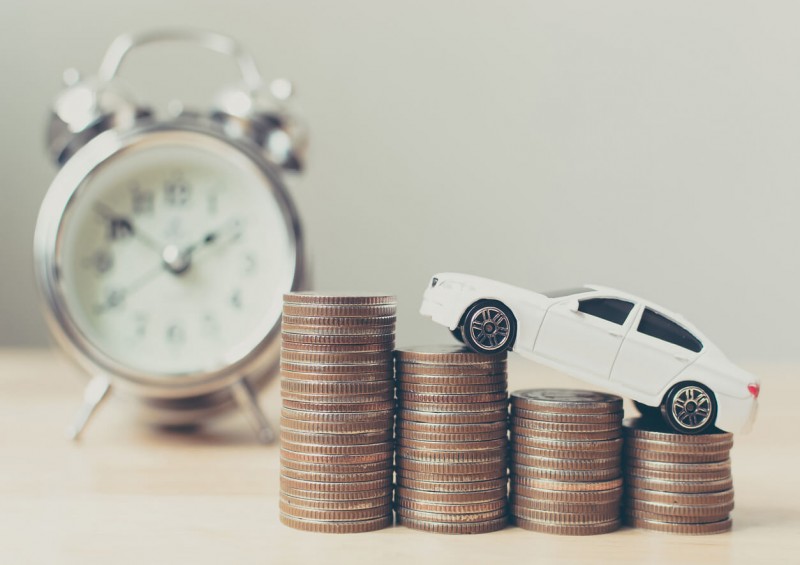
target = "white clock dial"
x: 174, y: 255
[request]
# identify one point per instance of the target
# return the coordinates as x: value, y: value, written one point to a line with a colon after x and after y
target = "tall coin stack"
x: 337, y: 412
x: 452, y: 445
x: 677, y: 483
x: 566, y: 474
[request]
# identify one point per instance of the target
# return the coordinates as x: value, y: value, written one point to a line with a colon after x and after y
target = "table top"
x: 127, y: 493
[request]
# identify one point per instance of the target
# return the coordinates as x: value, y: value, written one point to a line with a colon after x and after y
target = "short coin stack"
x: 337, y: 412
x: 677, y: 483
x: 452, y: 445
x: 566, y: 461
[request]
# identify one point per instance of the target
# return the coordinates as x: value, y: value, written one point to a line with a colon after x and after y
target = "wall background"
x: 648, y: 146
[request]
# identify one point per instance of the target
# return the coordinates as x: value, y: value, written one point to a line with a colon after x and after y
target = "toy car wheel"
x: 648, y: 412
x: 457, y: 334
x: 689, y: 408
x: 489, y: 327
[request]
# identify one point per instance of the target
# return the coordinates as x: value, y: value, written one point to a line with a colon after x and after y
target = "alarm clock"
x: 163, y: 246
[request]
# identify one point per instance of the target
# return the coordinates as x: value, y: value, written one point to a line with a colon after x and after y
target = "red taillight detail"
x: 754, y: 389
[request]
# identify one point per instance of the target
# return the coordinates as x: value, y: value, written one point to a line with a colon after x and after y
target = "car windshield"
x: 566, y: 292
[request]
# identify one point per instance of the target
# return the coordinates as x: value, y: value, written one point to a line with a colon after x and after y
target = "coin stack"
x: 566, y: 461
x: 337, y: 412
x: 677, y: 483
x: 452, y: 446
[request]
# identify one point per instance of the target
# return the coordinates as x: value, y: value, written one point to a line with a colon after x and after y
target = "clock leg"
x: 246, y: 397
x: 94, y: 394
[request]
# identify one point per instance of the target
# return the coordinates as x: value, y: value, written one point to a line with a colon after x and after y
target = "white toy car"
x: 618, y: 341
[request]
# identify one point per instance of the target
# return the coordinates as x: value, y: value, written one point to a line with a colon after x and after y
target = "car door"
x: 653, y: 353
x: 584, y: 335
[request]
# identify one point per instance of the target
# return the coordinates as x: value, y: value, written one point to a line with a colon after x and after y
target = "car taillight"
x: 754, y: 389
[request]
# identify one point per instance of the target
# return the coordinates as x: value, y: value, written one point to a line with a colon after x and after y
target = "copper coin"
x: 715, y: 467
x: 339, y: 310
x: 328, y: 477
x: 337, y: 527
x: 323, y: 339
x: 288, y: 368
x: 491, y: 371
x: 442, y: 476
x: 381, y: 374
x: 675, y: 519
x: 704, y: 457
x: 452, y: 486
x: 645, y: 429
x: 679, y: 487
x: 424, y: 389
x: 568, y: 529
x: 523, y: 435
x: 457, y: 518
x: 613, y: 495
x: 338, y: 348
x: 537, y: 425
x: 404, y: 434
x: 339, y: 406
x: 334, y: 459
x: 497, y: 380
x: 566, y: 401
x: 565, y: 454
x: 673, y: 498
x: 610, y: 509
x: 677, y: 476
x: 593, y: 475
x: 304, y: 426
x: 685, y: 529
x: 671, y: 447
x: 454, y: 407
x: 449, y: 446
x: 437, y: 508
x: 339, y: 322
x: 313, y: 399
x: 567, y: 444
x: 549, y: 484
x: 446, y: 354
x: 335, y: 358
x: 336, y: 388
x: 335, y: 515
x: 566, y: 464
x: 606, y: 418
x: 450, y: 468
x: 694, y: 511
x: 336, y: 468
x: 460, y: 429
x: 337, y: 330
x: 498, y: 494
x: 448, y: 399
x: 300, y: 484
x: 454, y: 528
x: 335, y: 505
x: 470, y: 456
x: 338, y: 298
x: 499, y: 415
x: 564, y: 518
x: 338, y: 417
x: 336, y: 495
x: 319, y: 449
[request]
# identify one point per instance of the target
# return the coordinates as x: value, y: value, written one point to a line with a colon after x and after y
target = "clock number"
x: 177, y: 192
x: 143, y: 201
x: 249, y: 264
x: 176, y: 335
x: 213, y: 203
x: 119, y: 228
x: 210, y: 325
x: 140, y: 324
x: 101, y: 261
x: 236, y: 299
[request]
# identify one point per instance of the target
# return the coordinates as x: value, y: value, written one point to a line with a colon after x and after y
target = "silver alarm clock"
x: 163, y: 246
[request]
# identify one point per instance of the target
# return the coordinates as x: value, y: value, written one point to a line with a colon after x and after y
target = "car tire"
x: 648, y: 412
x: 457, y: 334
x: 689, y: 408
x: 489, y: 327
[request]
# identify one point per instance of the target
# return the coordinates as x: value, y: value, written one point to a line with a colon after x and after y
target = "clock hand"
x: 214, y: 236
x: 178, y: 261
x: 121, y: 225
x: 118, y: 296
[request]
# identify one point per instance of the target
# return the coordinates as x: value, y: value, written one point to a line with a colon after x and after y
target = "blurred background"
x: 646, y: 146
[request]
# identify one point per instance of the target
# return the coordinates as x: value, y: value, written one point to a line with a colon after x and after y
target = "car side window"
x: 611, y: 309
x: 659, y: 327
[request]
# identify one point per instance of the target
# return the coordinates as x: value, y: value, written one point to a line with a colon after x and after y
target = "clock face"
x: 173, y: 256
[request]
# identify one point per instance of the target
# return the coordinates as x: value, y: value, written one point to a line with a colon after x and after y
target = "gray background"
x: 648, y: 146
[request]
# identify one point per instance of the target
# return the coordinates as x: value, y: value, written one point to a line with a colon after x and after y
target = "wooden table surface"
x: 130, y: 494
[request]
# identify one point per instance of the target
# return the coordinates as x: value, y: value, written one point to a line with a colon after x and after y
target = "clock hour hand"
x: 232, y: 227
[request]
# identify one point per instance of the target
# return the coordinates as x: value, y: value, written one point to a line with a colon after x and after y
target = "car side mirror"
x: 573, y: 306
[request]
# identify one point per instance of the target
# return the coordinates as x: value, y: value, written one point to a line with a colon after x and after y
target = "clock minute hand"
x: 123, y: 224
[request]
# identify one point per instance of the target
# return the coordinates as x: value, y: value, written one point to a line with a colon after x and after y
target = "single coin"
x: 605, y: 418
x: 454, y: 407
x: 671, y: 447
x: 499, y: 415
x: 337, y: 459
x: 327, y: 358
x: 646, y: 429
x: 715, y: 467
x: 335, y: 505
x: 336, y: 340
x: 381, y: 374
x: 525, y: 435
x: 339, y: 298
x: 337, y: 330
x: 338, y: 417
x: 336, y: 321
x: 677, y: 476
x: 451, y: 518
x: 335, y: 515
x: 329, y: 477
x: 672, y: 498
x: 412, y: 436
x: 315, y: 399
x: 566, y: 464
x: 703, y: 457
x: 445, y: 354
x: 304, y: 426
x: 498, y: 380
x: 564, y: 518
x: 679, y: 487
x: 454, y: 486
x: 549, y: 484
x: 336, y: 495
x: 339, y: 310
x: 448, y: 399
x: 288, y: 368
x: 675, y: 519
x: 437, y: 508
x: 426, y: 389
x: 568, y: 530
x: 337, y: 347
x: 450, y: 468
x: 452, y: 446
x: 567, y: 496
x: 694, y: 511
x: 567, y: 444
x: 301, y: 484
x: 460, y: 429
x: 566, y: 401
x: 498, y: 494
x: 538, y: 425
x: 685, y: 529
x: 453, y: 528
x: 319, y: 449
x: 336, y: 388
x: 593, y: 475
x: 337, y: 527
x: 566, y: 454
x: 610, y: 509
x: 336, y: 468
x: 491, y: 370
x: 338, y: 406
x: 444, y: 476
x: 469, y: 456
